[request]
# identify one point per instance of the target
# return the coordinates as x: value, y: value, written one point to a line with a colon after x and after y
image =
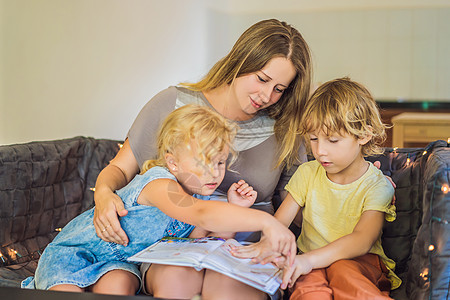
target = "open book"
x: 211, y: 253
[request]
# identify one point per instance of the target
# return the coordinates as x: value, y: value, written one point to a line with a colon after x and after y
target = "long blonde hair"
x: 260, y: 43
x: 191, y: 123
x: 344, y: 105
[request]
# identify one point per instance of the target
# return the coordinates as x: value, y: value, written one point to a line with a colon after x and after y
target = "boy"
x: 343, y: 200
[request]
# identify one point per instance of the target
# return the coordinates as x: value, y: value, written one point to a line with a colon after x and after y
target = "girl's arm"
x: 242, y: 194
x: 171, y: 199
x: 355, y: 244
x: 108, y: 205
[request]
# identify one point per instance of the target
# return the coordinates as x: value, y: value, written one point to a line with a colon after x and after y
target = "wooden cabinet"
x: 390, y: 109
x: 420, y: 127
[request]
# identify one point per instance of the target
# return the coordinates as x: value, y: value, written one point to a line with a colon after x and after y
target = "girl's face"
x: 259, y: 90
x: 194, y: 175
x: 339, y: 154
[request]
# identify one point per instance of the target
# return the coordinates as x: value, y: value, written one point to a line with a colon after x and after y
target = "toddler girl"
x: 166, y: 199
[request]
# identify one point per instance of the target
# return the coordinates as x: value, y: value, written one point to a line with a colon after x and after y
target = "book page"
x: 211, y: 253
x: 178, y: 251
x: 265, y: 277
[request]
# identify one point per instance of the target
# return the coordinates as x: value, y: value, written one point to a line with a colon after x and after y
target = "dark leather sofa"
x: 45, y: 184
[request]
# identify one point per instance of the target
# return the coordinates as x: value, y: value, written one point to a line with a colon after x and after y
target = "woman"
x: 262, y: 85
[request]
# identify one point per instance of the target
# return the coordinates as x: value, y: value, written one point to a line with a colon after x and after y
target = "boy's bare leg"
x: 218, y: 286
x: 66, y: 288
x: 173, y: 282
x: 116, y: 282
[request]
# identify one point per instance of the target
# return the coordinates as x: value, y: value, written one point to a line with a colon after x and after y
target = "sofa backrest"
x: 43, y: 185
x: 421, y: 176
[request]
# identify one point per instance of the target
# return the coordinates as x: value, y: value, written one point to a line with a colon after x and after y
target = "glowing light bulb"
x: 58, y: 229
x: 424, y: 152
x: 92, y: 189
x: 431, y: 248
x: 445, y: 188
x: 13, y: 253
x: 120, y: 145
x: 424, y: 274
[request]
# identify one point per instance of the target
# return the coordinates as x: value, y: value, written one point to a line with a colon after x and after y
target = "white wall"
x: 398, y: 53
x: 86, y: 67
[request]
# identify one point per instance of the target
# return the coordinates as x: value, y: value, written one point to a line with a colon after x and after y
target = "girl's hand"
x: 281, y: 239
x: 242, y: 194
x: 301, y: 266
x: 276, y: 245
x: 106, y: 221
x: 260, y: 252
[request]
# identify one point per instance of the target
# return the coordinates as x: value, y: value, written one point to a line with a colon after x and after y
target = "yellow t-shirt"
x: 332, y: 210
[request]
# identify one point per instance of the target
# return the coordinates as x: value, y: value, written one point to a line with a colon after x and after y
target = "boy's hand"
x: 301, y: 266
x: 242, y: 194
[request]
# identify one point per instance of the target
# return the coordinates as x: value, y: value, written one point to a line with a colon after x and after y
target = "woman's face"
x: 261, y: 89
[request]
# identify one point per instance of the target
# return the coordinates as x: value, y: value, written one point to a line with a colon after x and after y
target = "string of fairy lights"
x: 10, y: 255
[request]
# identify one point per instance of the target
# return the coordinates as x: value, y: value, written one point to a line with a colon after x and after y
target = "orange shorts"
x: 363, y: 277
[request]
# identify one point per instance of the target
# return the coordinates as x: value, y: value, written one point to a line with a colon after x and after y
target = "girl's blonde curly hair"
x: 191, y: 123
x: 342, y: 105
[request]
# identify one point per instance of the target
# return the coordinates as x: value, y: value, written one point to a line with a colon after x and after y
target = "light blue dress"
x: 79, y: 257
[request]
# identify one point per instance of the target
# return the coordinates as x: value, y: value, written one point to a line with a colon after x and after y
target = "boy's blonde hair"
x: 191, y: 123
x: 342, y: 105
x: 260, y: 43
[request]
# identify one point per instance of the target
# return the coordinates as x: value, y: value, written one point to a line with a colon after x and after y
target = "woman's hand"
x: 107, y: 209
x: 108, y: 206
x: 242, y: 194
x: 378, y: 165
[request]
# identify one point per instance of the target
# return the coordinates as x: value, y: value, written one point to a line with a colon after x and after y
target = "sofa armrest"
x: 43, y: 185
x: 429, y: 272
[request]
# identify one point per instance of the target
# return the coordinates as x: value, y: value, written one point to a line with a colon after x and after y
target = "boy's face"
x: 339, y: 154
x: 195, y: 176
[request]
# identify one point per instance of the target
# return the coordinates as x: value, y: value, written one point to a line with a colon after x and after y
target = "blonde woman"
x: 261, y: 85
